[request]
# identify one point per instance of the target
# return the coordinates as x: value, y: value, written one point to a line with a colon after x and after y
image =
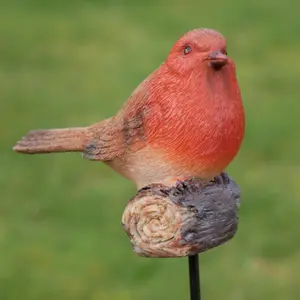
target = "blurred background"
x: 71, y: 63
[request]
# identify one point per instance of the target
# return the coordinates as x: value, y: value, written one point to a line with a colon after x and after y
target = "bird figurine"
x: 185, y: 120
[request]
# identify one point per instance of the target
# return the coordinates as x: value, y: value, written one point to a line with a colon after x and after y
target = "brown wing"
x: 115, y: 138
x: 126, y: 132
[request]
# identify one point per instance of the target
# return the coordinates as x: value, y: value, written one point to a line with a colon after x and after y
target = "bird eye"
x: 187, y: 50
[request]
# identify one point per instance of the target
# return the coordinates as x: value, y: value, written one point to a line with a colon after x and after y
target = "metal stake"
x: 194, y: 277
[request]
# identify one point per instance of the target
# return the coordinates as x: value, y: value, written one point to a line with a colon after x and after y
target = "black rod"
x: 194, y: 277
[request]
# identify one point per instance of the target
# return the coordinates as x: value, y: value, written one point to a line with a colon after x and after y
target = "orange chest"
x: 213, y: 139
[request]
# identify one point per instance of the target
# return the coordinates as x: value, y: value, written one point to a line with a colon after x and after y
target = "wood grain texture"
x: 183, y: 220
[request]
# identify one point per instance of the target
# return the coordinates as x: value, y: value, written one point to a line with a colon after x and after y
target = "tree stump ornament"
x: 183, y: 220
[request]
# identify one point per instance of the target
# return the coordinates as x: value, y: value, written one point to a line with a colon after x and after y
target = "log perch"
x: 183, y: 220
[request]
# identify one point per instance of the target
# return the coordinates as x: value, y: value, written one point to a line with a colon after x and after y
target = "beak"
x: 217, y: 60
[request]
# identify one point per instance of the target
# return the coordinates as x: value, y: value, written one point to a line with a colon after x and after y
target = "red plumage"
x: 186, y: 119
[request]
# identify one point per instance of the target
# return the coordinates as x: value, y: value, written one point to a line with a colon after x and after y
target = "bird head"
x: 199, y: 49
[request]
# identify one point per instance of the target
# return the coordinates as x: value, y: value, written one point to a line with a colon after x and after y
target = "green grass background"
x: 66, y: 63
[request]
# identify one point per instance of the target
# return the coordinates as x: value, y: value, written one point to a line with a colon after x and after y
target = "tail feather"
x: 53, y: 140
